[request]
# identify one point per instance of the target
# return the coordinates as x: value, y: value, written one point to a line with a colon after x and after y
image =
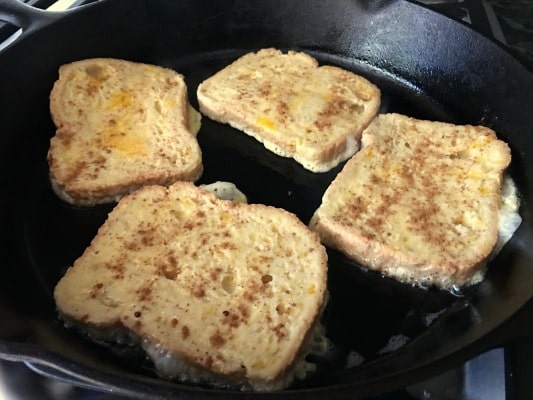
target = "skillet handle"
x: 24, y: 16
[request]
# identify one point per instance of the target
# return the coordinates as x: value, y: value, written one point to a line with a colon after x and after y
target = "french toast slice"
x: 120, y: 125
x: 419, y: 202
x: 294, y: 107
x: 230, y: 292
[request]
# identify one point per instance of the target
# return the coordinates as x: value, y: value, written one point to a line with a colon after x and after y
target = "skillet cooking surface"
x: 368, y: 316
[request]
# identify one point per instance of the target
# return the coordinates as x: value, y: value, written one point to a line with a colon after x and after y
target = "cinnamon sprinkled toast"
x: 419, y: 202
x: 222, y: 291
x: 120, y: 125
x: 296, y: 108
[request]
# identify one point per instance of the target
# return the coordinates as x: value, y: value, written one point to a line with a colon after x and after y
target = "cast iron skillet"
x: 426, y: 65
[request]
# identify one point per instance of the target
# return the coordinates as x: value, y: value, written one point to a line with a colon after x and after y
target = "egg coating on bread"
x: 233, y: 289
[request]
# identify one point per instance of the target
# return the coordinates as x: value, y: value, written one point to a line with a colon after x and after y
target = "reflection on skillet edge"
x: 18, y: 382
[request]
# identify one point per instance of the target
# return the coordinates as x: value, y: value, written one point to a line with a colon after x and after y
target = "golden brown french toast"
x: 231, y: 292
x: 419, y: 202
x: 296, y: 108
x: 120, y: 125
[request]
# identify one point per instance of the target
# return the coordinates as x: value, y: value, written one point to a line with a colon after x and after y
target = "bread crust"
x: 120, y: 125
x: 419, y: 202
x: 232, y: 288
x: 294, y: 107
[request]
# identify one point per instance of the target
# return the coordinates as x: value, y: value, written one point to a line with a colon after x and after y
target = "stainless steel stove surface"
x: 504, y: 373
